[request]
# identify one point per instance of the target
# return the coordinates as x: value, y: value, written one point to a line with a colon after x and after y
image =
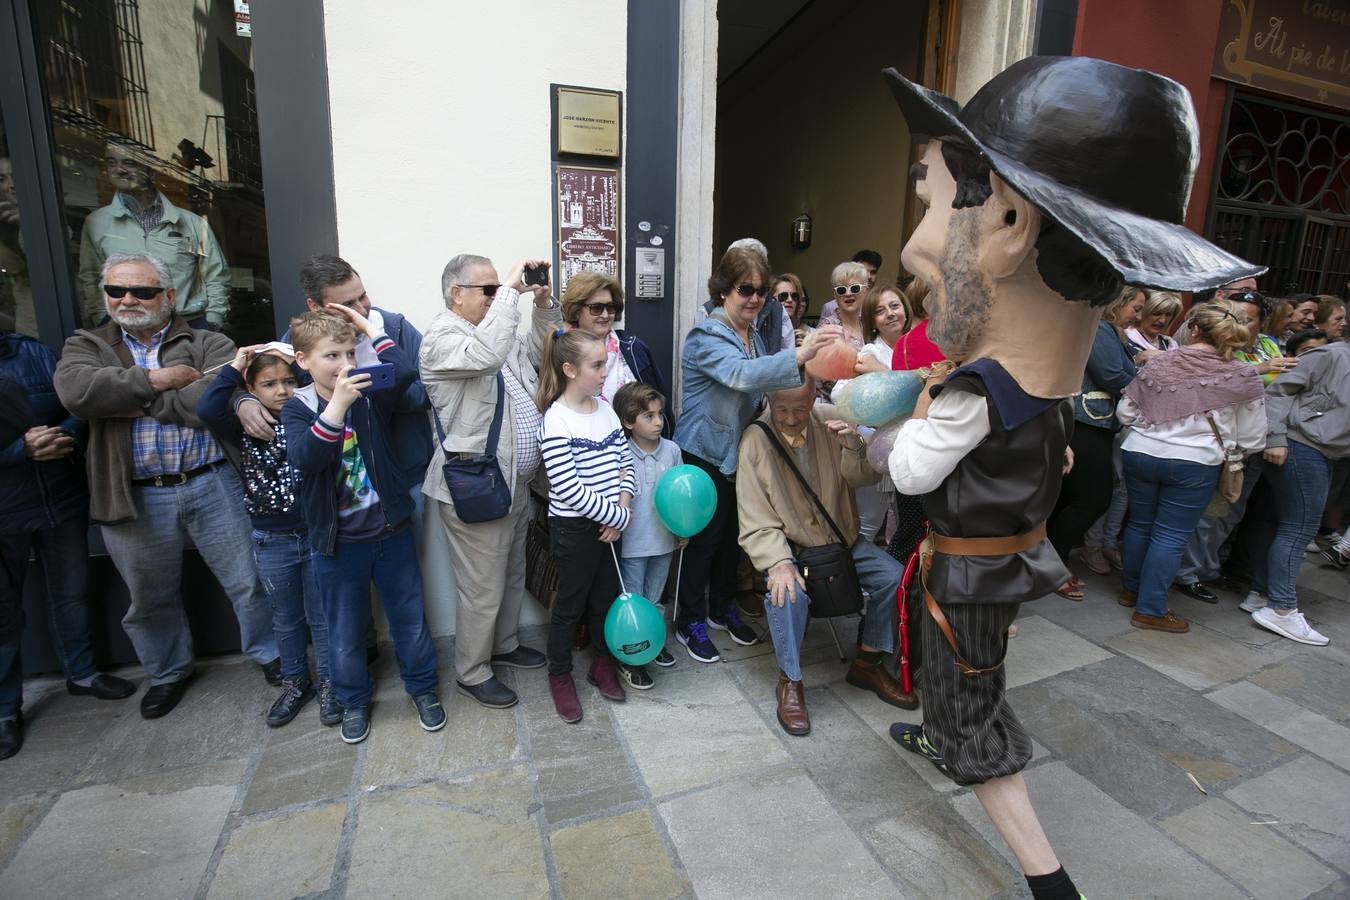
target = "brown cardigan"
x: 774, y: 511
x: 97, y: 380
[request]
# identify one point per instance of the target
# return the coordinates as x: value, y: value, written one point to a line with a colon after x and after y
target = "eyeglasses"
x: 489, y: 290
x: 785, y: 296
x: 746, y: 290
x: 600, y: 309
x: 118, y: 291
x: 851, y: 289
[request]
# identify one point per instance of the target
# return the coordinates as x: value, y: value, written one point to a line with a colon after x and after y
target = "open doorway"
x: 806, y: 125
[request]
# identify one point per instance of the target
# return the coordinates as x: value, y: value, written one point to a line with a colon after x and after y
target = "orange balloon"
x: 834, y: 362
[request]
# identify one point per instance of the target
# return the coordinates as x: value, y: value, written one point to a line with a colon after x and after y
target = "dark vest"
x: 1005, y: 486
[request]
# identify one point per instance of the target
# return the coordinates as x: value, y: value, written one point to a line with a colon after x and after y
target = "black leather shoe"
x: 294, y: 695
x: 1198, y: 591
x: 160, y: 699
x: 520, y: 658
x: 491, y: 693
x: 104, y: 687
x: 272, y: 672
x: 11, y: 736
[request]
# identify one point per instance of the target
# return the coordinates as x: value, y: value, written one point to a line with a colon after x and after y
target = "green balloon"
x: 635, y: 630
x: 685, y: 500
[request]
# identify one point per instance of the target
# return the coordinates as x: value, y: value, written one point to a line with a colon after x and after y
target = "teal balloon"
x: 879, y: 397
x: 685, y: 500
x: 635, y: 630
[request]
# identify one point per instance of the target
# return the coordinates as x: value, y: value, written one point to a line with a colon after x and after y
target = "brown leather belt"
x: 988, y: 546
x: 955, y: 546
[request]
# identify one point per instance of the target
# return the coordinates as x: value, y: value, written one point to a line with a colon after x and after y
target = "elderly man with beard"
x: 1041, y: 204
x: 156, y: 475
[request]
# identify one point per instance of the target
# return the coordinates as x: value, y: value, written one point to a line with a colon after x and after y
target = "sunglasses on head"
x: 851, y: 289
x: 489, y: 290
x: 140, y: 292
x: 599, y: 309
x: 785, y: 296
x: 746, y: 290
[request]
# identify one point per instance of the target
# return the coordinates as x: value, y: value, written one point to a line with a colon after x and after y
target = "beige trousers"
x: 489, y: 562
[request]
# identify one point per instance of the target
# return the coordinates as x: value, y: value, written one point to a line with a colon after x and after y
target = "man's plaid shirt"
x: 158, y: 448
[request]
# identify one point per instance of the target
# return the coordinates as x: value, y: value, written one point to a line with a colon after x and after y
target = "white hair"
x: 122, y: 259
x: 753, y: 244
x: 456, y: 270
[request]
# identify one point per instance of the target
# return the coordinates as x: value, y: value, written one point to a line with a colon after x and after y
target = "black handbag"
x: 829, y: 572
x: 541, y: 569
x: 475, y: 482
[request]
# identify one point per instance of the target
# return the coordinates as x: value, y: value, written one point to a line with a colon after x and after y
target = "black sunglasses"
x: 746, y: 290
x: 599, y: 309
x: 785, y: 296
x: 140, y: 292
x: 851, y: 289
x: 489, y: 290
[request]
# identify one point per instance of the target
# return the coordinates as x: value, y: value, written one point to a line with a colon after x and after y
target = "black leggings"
x: 1086, y: 492
x: 708, y: 579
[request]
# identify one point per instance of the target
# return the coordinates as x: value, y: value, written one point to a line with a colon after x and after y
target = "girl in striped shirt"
x: 590, y: 473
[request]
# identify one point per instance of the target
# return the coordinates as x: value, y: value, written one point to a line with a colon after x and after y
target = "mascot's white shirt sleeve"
x: 928, y: 450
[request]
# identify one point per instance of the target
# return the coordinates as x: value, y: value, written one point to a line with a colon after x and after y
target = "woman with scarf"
x: 1188, y: 410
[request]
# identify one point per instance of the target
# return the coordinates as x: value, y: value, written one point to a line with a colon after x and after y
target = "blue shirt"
x: 645, y: 535
x: 159, y: 448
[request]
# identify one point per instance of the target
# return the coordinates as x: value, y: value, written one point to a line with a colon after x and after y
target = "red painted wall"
x: 1175, y: 38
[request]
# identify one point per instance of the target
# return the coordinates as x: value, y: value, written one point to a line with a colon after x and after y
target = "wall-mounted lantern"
x: 801, y: 232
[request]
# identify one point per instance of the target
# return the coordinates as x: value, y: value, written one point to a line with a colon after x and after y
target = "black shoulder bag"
x: 476, y: 484
x: 828, y: 570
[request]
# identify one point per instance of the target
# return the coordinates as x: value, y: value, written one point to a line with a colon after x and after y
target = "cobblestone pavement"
x: 691, y: 789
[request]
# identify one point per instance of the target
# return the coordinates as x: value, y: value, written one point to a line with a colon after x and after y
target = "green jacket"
x: 183, y: 240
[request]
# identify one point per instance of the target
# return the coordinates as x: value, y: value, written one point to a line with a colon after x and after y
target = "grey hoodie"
x: 1311, y: 403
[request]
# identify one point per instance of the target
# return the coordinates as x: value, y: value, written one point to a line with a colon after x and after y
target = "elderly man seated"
x: 778, y: 518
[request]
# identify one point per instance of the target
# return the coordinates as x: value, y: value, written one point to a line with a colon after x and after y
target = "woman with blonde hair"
x: 1151, y: 335
x: 1190, y: 412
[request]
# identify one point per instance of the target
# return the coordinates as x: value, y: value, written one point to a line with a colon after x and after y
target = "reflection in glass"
x: 157, y: 143
x: 16, y: 291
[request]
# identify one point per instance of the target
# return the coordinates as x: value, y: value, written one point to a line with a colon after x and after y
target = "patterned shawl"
x: 1190, y: 381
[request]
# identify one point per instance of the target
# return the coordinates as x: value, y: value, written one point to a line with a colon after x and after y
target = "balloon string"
x: 675, y: 606
x: 618, y: 568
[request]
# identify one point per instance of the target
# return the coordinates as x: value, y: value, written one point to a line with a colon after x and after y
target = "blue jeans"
x: 148, y: 553
x: 646, y: 575
x: 62, y: 553
x: 1200, y: 561
x: 878, y: 572
x: 1300, y: 487
x: 344, y: 583
x: 1105, y: 532
x: 1167, y: 499
x: 286, y: 569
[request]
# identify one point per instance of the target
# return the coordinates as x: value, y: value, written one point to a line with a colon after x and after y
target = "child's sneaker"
x: 695, y: 640
x: 355, y: 724
x: 430, y: 714
x: 1292, y: 626
x: 730, y: 622
x: 664, y: 659
x: 295, y: 693
x: 564, y: 691
x: 637, y: 677
x: 330, y: 711
x: 604, y: 675
x: 1255, y: 600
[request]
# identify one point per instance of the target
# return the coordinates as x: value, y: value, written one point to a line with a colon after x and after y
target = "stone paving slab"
x: 303, y: 762
x: 1290, y: 721
x: 1097, y: 618
x: 616, y: 858
x: 1307, y: 800
x: 399, y: 751
x: 771, y: 837
x: 16, y: 818
x: 686, y: 739
x: 1200, y: 659
x: 1042, y: 649
x: 1266, y: 865
x: 935, y: 855
x: 1109, y: 851
x: 449, y: 840
x: 284, y: 856
x: 1315, y: 681
x: 61, y: 734
x: 146, y: 837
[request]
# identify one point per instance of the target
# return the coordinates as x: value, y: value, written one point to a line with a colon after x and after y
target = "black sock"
x: 1055, y: 886
x: 871, y: 657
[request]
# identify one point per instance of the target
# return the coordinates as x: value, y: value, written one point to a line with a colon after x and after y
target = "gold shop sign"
x: 588, y: 122
x: 1299, y: 48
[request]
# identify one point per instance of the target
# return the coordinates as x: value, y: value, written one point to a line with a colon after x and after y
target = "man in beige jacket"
x: 467, y: 349
x: 777, y: 518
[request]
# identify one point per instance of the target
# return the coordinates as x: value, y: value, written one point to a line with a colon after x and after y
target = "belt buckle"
x: 157, y: 480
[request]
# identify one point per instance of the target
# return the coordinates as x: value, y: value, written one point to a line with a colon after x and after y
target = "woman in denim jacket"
x: 726, y: 374
x: 1086, y: 493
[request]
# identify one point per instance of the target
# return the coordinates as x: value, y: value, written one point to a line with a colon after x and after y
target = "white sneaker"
x: 1253, y: 602
x: 1292, y: 626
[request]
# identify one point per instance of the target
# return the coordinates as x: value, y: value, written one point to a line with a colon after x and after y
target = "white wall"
x: 441, y: 145
x: 440, y: 115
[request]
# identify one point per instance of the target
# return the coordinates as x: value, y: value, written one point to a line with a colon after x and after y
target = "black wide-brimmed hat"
x: 1106, y: 151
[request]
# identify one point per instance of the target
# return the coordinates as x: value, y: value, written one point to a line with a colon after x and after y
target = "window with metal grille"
x: 241, y: 120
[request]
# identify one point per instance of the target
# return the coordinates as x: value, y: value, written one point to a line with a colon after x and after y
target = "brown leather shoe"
x: 1169, y: 622
x: 792, y: 707
x: 874, y: 677
x: 1127, y: 598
